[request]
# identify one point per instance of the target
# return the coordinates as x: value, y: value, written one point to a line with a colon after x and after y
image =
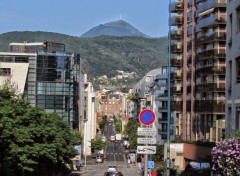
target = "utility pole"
x: 169, y: 94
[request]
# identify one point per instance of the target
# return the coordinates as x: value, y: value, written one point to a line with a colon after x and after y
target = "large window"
x: 238, y: 18
x: 238, y: 70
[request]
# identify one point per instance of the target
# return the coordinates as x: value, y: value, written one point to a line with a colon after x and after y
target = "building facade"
x: 47, y: 74
x: 198, y: 54
x: 233, y: 67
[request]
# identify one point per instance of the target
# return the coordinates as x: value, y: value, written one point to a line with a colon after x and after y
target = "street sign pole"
x: 146, y: 163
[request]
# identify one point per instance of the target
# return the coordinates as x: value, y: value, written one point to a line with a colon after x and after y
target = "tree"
x: 131, y: 131
x: 103, y: 122
x: 97, y: 144
x: 31, y: 140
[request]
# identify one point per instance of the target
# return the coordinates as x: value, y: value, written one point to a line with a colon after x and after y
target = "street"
x: 114, y: 156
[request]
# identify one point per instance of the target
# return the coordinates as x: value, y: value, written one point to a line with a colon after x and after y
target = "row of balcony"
x: 213, y: 19
x: 209, y: 106
x: 217, y: 36
x: 176, y: 105
x: 176, y: 6
x: 210, y: 86
x: 211, y: 53
x: 210, y: 4
x: 207, y: 70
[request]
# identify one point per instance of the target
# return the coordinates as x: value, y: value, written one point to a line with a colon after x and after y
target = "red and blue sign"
x: 147, y: 117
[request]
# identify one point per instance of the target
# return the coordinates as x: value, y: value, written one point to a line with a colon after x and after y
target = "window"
x: 238, y: 18
x: 5, y: 71
x: 238, y: 70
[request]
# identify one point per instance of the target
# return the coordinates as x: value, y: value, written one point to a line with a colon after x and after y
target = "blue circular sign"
x: 147, y: 117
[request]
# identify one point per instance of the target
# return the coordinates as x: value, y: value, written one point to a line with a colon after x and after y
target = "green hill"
x: 103, y: 55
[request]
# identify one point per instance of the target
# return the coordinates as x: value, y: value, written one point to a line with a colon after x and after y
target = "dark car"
x: 113, y: 174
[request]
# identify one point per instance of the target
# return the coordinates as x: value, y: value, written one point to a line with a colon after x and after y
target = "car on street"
x: 112, y: 138
x: 113, y: 174
x: 99, y: 159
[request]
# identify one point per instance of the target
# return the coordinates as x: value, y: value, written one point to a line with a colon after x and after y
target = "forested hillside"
x: 103, y: 55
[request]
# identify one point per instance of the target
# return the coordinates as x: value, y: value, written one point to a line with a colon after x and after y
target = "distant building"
x: 47, y: 74
x: 232, y: 107
x: 112, y: 105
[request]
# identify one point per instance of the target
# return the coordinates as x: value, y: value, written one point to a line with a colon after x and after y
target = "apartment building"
x: 47, y: 74
x: 233, y: 67
x: 198, y: 54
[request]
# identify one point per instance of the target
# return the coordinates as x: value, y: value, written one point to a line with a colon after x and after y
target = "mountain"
x: 115, y: 28
x: 103, y: 55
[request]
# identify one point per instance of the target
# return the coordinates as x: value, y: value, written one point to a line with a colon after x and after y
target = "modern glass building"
x: 51, y: 79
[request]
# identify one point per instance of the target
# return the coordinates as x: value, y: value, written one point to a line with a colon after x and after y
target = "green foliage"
x: 97, y: 144
x: 29, y: 137
x: 131, y: 130
x: 103, y: 122
x: 158, y: 157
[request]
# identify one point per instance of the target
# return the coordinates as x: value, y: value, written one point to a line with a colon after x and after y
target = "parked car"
x: 99, y: 159
x: 113, y: 174
x: 126, y: 144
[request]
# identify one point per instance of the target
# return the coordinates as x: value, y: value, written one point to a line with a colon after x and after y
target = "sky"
x: 75, y: 17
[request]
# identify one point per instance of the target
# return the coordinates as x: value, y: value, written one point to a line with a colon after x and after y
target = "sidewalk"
x: 75, y: 173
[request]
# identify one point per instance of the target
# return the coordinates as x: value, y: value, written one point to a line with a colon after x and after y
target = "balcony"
x: 165, y: 120
x: 162, y: 108
x: 213, y: 19
x: 176, y: 62
x: 210, y: 4
x: 176, y: 34
x: 176, y: 20
x: 164, y: 131
x: 176, y: 105
x: 176, y: 76
x: 212, y: 53
x: 211, y: 86
x: 176, y: 6
x: 176, y: 47
x: 212, y: 106
x: 217, y: 36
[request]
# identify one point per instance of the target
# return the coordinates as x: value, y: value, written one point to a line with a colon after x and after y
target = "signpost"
x: 146, y: 118
x: 146, y: 140
x: 150, y: 164
x: 146, y: 131
x: 146, y: 149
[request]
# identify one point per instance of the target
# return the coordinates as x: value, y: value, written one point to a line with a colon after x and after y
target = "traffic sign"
x: 146, y: 149
x: 146, y: 140
x: 150, y: 164
x: 146, y: 131
x: 147, y: 117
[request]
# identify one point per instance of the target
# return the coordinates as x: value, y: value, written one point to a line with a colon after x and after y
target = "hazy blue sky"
x: 75, y: 17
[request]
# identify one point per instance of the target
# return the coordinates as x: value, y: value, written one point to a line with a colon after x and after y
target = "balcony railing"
x: 176, y: 20
x: 176, y: 76
x: 211, y: 20
x: 212, y: 53
x: 176, y: 6
x: 176, y: 62
x: 215, y: 36
x: 165, y: 120
x: 164, y: 131
x: 176, y: 47
x: 210, y: 4
x: 176, y: 34
x: 213, y: 106
x: 210, y: 86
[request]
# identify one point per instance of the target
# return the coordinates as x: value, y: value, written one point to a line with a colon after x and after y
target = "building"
x: 90, y: 125
x: 198, y: 54
x: 112, y: 105
x: 233, y: 67
x: 47, y: 74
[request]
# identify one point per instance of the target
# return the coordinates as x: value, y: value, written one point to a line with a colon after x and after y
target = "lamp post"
x: 169, y: 93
